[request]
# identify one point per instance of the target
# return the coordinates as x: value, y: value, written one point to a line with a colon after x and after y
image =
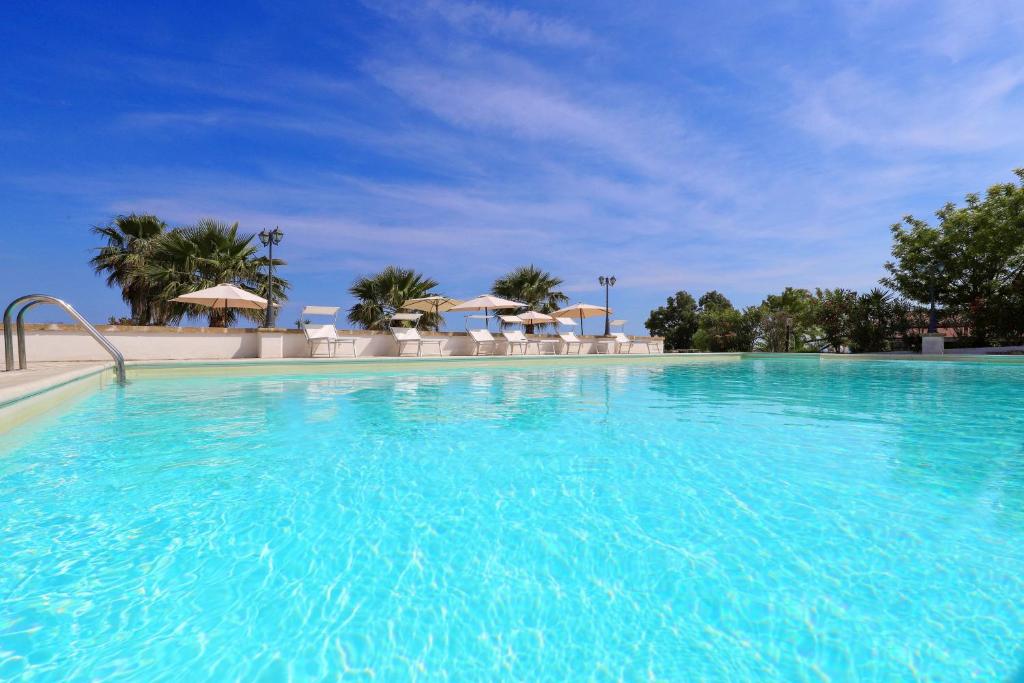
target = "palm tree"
x: 123, y: 259
x: 532, y: 286
x: 382, y: 294
x: 206, y: 254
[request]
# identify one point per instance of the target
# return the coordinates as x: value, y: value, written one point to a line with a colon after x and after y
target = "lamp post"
x: 933, y: 316
x: 269, y: 239
x: 606, y: 282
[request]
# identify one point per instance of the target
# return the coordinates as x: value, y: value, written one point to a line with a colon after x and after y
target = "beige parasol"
x: 582, y: 311
x: 532, y: 318
x: 223, y: 296
x: 431, y: 304
x: 487, y: 303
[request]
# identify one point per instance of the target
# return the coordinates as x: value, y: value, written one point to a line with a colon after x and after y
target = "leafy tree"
x: 785, y: 321
x: 773, y: 330
x: 203, y: 255
x: 676, y: 321
x: 723, y: 328
x: 713, y: 300
x: 534, y: 287
x: 973, y: 260
x: 875, y: 320
x: 832, y: 312
x: 382, y: 294
x: 123, y: 259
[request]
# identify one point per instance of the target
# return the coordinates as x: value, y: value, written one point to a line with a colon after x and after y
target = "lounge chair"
x: 324, y: 335
x: 409, y: 337
x: 568, y: 340
x: 515, y: 338
x: 481, y: 338
x: 624, y: 342
x: 621, y: 340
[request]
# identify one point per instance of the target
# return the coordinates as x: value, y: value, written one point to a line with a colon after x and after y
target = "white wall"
x: 69, y: 342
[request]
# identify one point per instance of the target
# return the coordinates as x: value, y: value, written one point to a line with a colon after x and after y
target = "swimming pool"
x: 754, y: 518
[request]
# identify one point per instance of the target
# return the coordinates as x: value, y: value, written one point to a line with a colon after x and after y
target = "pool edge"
x: 40, y: 397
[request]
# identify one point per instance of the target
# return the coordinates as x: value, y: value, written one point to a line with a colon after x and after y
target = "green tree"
x: 785, y: 321
x: 713, y: 300
x: 535, y: 287
x: 723, y: 328
x: 973, y: 260
x: 203, y: 255
x: 382, y: 294
x: 676, y: 321
x: 832, y: 312
x: 876, y: 319
x: 123, y: 259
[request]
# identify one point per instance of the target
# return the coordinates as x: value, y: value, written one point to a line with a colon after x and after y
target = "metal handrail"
x: 31, y: 300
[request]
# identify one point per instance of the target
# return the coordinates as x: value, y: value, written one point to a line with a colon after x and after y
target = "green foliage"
x: 713, y: 300
x: 723, y: 328
x: 833, y: 314
x: 973, y: 259
x: 794, y: 320
x: 875, y: 319
x: 123, y: 259
x: 785, y: 322
x: 676, y: 321
x: 152, y: 265
x: 208, y: 253
x: 535, y: 287
x: 382, y: 294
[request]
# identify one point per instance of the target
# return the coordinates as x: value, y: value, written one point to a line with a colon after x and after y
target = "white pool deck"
x: 39, y: 377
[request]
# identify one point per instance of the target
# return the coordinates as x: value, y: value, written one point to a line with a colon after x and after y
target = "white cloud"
x: 981, y: 109
x: 511, y: 23
x: 483, y: 20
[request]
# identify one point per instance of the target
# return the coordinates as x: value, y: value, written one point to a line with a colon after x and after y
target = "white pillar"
x: 271, y: 343
x: 933, y: 344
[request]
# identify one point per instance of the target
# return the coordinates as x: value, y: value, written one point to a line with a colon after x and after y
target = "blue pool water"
x: 763, y: 519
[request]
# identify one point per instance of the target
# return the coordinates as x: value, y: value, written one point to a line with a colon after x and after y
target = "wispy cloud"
x: 982, y: 111
x: 483, y: 20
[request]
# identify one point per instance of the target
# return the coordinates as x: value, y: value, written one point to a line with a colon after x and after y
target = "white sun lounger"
x: 481, y: 339
x: 409, y: 337
x: 324, y: 335
x: 568, y: 340
x: 622, y: 341
x: 515, y: 338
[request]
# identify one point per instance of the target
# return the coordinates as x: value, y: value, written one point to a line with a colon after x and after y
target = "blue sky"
x: 740, y: 146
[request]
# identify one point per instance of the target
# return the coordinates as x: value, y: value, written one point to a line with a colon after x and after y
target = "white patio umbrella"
x: 582, y: 311
x: 435, y: 304
x: 431, y: 304
x: 487, y: 303
x: 223, y: 296
x: 531, y: 318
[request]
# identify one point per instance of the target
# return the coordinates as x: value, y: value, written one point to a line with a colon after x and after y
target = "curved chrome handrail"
x: 31, y: 300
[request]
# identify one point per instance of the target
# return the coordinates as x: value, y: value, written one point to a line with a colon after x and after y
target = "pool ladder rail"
x: 30, y: 300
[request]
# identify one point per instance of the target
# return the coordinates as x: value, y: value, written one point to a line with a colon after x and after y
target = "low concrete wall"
x: 987, y: 350
x: 71, y: 342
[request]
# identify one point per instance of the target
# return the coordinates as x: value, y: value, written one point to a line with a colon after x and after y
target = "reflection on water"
x: 776, y: 519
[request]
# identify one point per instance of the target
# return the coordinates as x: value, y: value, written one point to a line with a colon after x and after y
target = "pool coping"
x: 34, y: 398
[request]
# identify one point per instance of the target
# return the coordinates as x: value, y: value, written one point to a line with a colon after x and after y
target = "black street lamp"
x: 606, y: 282
x: 269, y: 239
